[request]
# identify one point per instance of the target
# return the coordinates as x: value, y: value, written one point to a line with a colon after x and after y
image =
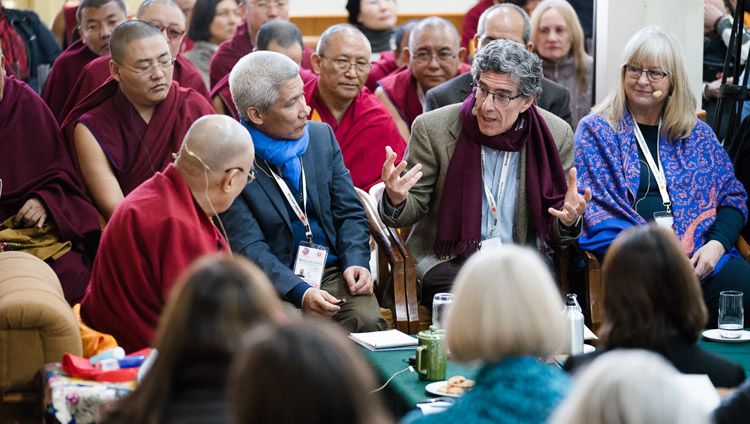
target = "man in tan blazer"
x: 489, y: 171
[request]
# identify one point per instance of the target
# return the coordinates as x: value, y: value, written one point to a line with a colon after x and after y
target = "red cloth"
x: 187, y: 45
x: 154, y: 234
x: 385, y: 66
x: 78, y: 367
x: 97, y: 72
x: 401, y: 89
x: 64, y: 74
x: 37, y: 163
x: 71, y: 21
x: 471, y: 21
x: 136, y: 151
x: 13, y: 48
x: 366, y: 128
x: 234, y: 49
x: 221, y: 90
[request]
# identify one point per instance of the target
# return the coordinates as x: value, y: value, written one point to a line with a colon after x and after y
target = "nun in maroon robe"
x: 36, y: 164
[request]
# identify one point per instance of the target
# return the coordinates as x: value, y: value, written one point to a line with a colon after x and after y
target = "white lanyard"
x: 488, y: 192
x: 661, y: 179
x: 302, y: 215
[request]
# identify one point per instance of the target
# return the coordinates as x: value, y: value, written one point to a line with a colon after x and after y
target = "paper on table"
x: 384, y: 340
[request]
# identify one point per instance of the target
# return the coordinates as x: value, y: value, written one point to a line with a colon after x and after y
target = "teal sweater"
x: 513, y: 390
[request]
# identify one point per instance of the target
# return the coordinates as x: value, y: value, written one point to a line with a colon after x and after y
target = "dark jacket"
x: 555, y: 98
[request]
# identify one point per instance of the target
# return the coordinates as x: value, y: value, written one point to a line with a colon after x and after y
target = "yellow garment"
x: 44, y: 243
x: 93, y: 341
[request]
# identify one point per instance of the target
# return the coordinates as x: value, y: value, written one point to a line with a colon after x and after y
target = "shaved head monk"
x: 163, y: 14
x: 162, y: 227
x: 96, y: 21
x: 434, y: 58
x: 362, y: 125
x: 43, y: 198
x: 278, y: 36
x: 256, y: 13
x: 128, y: 128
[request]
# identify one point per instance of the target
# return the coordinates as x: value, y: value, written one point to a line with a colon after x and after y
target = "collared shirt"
x: 493, y: 166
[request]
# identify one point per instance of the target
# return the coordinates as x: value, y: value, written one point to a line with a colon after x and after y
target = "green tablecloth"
x: 406, y: 389
x: 737, y: 352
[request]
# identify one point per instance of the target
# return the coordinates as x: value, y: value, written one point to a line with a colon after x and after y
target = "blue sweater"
x: 513, y: 390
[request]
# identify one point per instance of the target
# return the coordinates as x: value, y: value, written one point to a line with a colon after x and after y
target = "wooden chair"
x: 395, y: 267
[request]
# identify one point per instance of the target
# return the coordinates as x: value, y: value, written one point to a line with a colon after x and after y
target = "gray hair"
x: 146, y: 4
x: 526, y: 20
x: 255, y: 80
x: 433, y: 22
x: 512, y: 58
x: 284, y: 33
x: 325, y: 39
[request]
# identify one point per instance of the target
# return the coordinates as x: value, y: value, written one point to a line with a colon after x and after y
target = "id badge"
x: 310, y: 263
x: 491, y: 244
x: 664, y: 219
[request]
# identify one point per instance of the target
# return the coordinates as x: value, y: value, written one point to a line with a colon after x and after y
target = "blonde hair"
x: 629, y: 387
x: 506, y: 304
x: 577, y: 49
x: 655, y: 45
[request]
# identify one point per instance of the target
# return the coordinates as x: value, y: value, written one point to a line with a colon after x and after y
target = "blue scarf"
x: 281, y: 153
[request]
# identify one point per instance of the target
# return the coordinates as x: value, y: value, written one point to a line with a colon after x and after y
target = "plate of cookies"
x: 453, y: 387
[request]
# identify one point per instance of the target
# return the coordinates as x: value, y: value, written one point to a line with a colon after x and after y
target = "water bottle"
x: 574, y: 325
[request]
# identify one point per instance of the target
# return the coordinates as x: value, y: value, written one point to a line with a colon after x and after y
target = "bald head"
x: 436, y: 25
x: 125, y: 34
x: 335, y: 32
x: 504, y: 21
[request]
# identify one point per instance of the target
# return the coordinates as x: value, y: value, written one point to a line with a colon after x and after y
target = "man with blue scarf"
x: 304, y: 203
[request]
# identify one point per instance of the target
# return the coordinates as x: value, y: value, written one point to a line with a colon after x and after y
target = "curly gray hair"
x: 509, y: 57
x: 255, y: 80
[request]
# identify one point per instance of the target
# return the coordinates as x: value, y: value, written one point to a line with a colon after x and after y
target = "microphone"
x: 474, y: 110
x: 657, y: 94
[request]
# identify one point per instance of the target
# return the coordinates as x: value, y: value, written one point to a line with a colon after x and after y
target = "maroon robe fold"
x: 366, y: 128
x: 381, y: 69
x: 97, y: 72
x: 115, y: 124
x: 401, y: 89
x: 153, y: 236
x: 37, y: 163
x: 64, y: 74
x: 221, y: 90
x: 234, y: 49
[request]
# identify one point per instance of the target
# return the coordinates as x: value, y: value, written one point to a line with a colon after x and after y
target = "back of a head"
x: 433, y: 23
x: 126, y: 33
x: 404, y: 30
x: 212, y: 142
x: 629, y: 387
x: 506, y: 304
x: 96, y: 4
x: 312, y: 363
x: 256, y: 78
x: 649, y: 288
x: 280, y: 31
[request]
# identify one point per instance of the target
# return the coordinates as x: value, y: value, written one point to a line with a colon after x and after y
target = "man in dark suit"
x: 302, y: 223
x: 510, y: 22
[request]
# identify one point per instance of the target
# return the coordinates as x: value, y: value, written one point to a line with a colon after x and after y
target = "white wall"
x: 327, y: 7
x: 618, y: 20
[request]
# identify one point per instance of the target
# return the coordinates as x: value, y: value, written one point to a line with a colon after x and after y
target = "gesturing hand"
x: 320, y: 302
x: 574, y: 204
x: 705, y: 259
x: 358, y: 279
x: 32, y: 213
x: 397, y: 187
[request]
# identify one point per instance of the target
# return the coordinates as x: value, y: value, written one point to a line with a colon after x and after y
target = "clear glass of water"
x: 731, y: 314
x: 440, y: 305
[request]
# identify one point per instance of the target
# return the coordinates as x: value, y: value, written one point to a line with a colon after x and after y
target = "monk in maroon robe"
x: 362, y: 125
x: 243, y: 41
x: 96, y: 21
x: 168, y: 18
x: 162, y: 227
x: 128, y: 128
x: 40, y: 187
x: 434, y: 57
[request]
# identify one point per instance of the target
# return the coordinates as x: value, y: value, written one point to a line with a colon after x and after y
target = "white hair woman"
x: 629, y: 387
x: 506, y: 315
x: 646, y: 158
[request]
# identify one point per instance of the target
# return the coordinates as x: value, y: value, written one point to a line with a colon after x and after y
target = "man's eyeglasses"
x: 343, y: 66
x: 171, y: 32
x: 147, y: 71
x: 653, y: 75
x: 250, y: 174
x: 267, y: 4
x: 442, y: 57
x: 500, y: 99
